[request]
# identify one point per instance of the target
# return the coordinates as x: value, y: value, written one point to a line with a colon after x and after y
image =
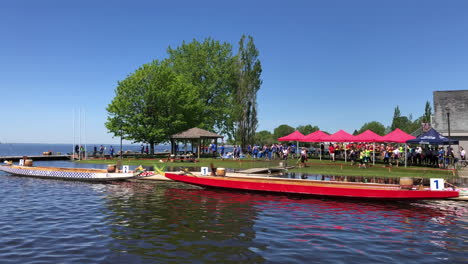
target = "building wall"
x: 456, y: 104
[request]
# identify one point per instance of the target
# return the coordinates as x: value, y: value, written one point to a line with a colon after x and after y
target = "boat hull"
x: 316, y: 188
x: 66, y: 173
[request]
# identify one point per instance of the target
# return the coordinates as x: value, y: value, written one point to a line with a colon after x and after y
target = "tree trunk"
x: 152, y: 147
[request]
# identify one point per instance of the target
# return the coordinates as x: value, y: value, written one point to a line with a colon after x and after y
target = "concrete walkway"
x: 463, y: 172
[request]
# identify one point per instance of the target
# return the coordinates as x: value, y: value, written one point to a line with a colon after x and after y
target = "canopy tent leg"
x: 198, y: 147
x: 406, y: 154
x: 297, y: 148
x: 373, y: 154
x: 345, y: 154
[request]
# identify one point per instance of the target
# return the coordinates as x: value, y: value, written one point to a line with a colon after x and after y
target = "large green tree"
x: 264, y: 137
x: 210, y: 68
x: 245, y: 94
x: 307, y: 129
x: 374, y: 126
x: 281, y: 131
x: 151, y: 104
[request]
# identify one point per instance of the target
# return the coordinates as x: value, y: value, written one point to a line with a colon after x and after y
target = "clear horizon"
x: 335, y: 64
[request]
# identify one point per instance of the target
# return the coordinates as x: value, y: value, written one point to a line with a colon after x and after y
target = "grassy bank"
x: 324, y: 167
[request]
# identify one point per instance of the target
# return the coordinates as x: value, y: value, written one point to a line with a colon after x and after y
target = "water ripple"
x: 48, y: 221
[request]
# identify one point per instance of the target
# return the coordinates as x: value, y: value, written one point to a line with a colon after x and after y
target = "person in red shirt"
x: 331, y: 150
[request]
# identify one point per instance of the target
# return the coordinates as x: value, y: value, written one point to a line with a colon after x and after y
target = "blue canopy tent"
x: 432, y: 137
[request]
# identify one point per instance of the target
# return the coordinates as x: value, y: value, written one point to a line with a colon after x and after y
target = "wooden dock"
x: 37, y: 157
x: 264, y: 170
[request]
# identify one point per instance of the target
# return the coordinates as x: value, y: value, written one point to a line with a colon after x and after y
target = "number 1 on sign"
x: 437, y: 184
x: 204, y: 171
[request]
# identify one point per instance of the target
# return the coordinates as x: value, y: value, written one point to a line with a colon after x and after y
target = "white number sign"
x: 125, y: 169
x: 204, y: 171
x: 437, y: 184
x: 21, y: 162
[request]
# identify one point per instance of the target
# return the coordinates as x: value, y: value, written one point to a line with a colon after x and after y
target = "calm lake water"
x: 30, y: 149
x: 54, y: 221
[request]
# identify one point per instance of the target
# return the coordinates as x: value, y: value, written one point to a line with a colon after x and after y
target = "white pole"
x: 73, y: 146
x: 79, y: 133
x: 406, y: 147
x: 84, y: 125
x: 373, y: 154
x: 345, y: 154
x: 297, y: 148
x: 321, y: 149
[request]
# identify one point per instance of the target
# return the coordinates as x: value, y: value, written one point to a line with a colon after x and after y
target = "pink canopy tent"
x: 369, y: 136
x: 294, y: 136
x: 397, y: 136
x: 317, y: 136
x: 340, y: 136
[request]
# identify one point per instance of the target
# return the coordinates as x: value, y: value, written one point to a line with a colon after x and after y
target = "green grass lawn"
x: 314, y: 166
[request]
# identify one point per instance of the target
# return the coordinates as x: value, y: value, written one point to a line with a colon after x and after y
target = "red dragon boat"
x: 312, y: 187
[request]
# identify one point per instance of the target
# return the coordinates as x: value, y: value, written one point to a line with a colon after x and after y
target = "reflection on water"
x: 186, y: 223
x: 171, y: 223
x: 53, y: 221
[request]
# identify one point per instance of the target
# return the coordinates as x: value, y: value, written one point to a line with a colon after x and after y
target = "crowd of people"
x: 393, y: 154
x: 357, y: 153
x: 362, y: 153
x: 81, y: 151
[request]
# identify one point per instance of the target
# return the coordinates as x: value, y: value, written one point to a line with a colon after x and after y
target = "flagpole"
x: 73, y: 146
x: 79, y: 133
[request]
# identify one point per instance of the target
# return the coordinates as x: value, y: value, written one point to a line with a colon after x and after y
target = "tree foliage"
x: 396, y: 119
x: 210, y: 68
x: 151, y: 104
x: 307, y: 129
x: 264, y: 137
x: 426, y: 118
x: 405, y: 123
x: 374, y: 126
x: 245, y: 96
x: 281, y: 131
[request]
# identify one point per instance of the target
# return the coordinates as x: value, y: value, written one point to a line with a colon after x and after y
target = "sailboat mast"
x: 85, y: 145
x: 73, y: 146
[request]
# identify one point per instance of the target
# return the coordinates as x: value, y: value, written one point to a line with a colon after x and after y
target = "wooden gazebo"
x: 193, y: 135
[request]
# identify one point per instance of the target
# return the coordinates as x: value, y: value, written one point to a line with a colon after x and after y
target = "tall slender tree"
x: 245, y: 96
x: 396, y: 119
x: 426, y: 118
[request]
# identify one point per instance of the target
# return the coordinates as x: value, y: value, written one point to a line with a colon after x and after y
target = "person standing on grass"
x: 222, y: 149
x: 303, y: 156
x: 331, y: 150
x: 111, y: 151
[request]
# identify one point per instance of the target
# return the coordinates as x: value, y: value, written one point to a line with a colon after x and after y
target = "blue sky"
x: 334, y: 64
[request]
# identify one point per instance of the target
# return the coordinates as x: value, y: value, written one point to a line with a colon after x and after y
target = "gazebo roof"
x: 195, y: 133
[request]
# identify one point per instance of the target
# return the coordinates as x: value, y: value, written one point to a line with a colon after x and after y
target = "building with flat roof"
x: 451, y: 109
